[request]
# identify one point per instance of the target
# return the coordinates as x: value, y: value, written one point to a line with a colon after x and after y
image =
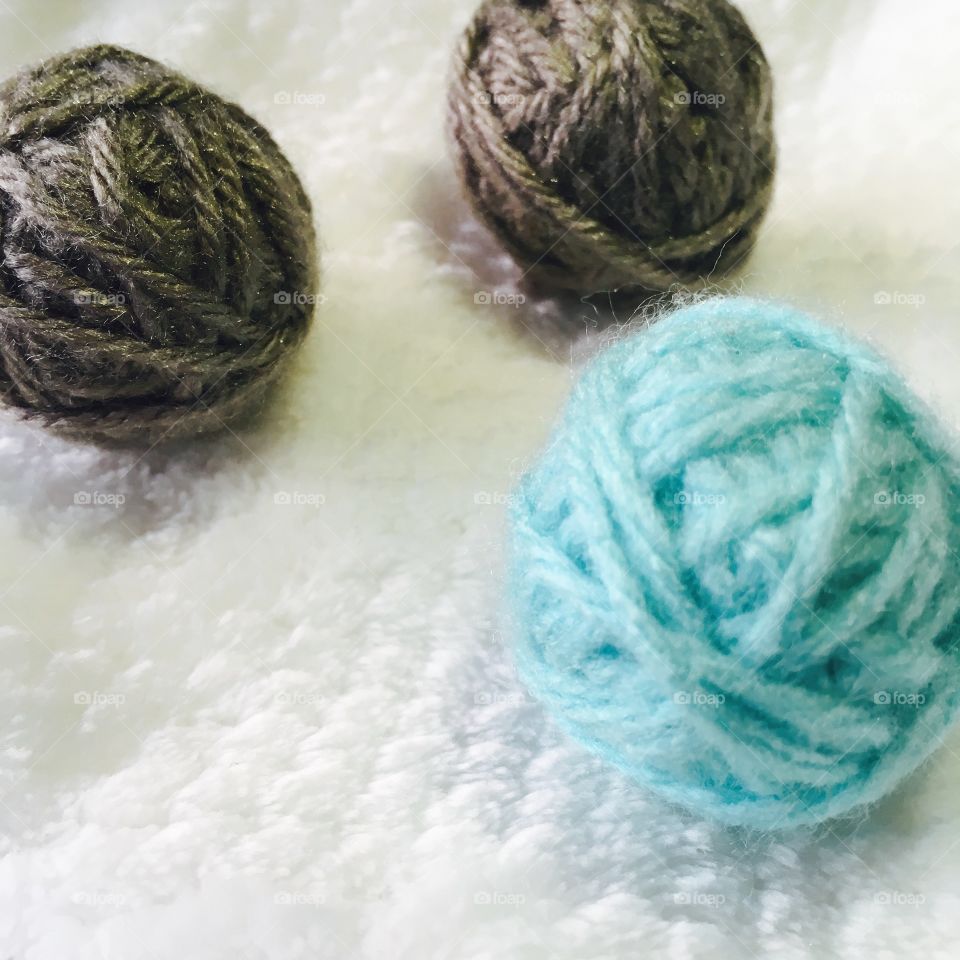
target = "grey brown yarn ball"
x: 158, y: 253
x: 615, y: 145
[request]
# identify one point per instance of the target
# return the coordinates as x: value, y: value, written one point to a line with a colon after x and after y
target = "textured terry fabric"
x: 158, y: 251
x: 735, y: 571
x: 615, y: 145
x: 324, y: 750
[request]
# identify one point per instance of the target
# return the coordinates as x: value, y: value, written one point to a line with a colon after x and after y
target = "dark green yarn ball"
x: 615, y: 144
x: 158, y: 252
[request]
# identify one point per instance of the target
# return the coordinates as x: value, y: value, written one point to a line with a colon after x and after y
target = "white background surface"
x: 303, y: 736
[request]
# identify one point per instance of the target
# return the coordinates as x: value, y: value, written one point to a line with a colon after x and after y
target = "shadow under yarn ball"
x: 615, y: 145
x: 158, y: 251
x: 735, y: 570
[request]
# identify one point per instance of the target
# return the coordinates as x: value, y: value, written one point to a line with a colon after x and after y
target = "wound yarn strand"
x: 735, y: 570
x: 149, y: 229
x: 615, y: 145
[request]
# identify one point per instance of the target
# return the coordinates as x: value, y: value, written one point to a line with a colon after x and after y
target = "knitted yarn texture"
x: 734, y: 571
x: 616, y: 144
x: 158, y: 250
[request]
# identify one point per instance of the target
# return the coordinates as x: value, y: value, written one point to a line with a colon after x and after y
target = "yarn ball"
x: 615, y: 144
x: 735, y: 571
x: 158, y: 253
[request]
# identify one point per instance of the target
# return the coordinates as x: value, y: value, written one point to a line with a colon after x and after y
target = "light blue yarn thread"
x: 734, y: 570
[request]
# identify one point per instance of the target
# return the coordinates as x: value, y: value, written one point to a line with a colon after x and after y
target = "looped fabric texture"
x: 158, y: 252
x: 615, y: 144
x: 734, y: 571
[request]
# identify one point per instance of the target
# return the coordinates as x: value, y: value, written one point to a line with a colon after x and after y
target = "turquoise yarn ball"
x: 734, y: 570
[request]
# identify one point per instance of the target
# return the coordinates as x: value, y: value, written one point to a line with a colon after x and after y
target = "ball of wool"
x: 158, y: 253
x: 615, y: 144
x: 735, y: 571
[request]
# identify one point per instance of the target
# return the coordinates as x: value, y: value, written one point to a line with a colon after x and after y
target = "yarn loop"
x: 148, y: 232
x: 735, y: 570
x: 615, y: 144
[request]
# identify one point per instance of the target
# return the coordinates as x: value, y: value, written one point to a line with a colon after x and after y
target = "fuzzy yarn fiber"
x: 158, y: 254
x: 735, y: 568
x: 617, y: 144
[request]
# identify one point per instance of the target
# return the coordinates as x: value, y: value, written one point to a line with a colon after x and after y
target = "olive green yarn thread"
x: 146, y: 227
x: 577, y: 131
